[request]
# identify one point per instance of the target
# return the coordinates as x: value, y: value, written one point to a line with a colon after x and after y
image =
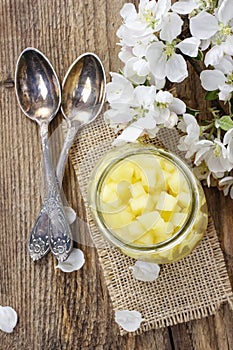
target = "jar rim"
x: 190, y: 179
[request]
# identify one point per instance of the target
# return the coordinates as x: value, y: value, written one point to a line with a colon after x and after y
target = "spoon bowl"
x: 37, y: 86
x: 83, y: 89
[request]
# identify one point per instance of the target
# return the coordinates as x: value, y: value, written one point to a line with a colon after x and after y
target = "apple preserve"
x: 147, y: 202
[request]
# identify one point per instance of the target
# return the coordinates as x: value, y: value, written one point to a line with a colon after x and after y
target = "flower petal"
x: 130, y: 134
x: 145, y: 271
x: 144, y: 96
x: 8, y: 319
x: 225, y: 93
x: 176, y: 68
x: 225, y: 11
x: 162, y: 8
x: 157, y: 59
x: 125, y: 54
x: 203, y: 25
x: 212, y: 79
x: 130, y: 321
x: 117, y: 116
x: 214, y: 55
x: 171, y: 27
x: 73, y: 263
x: 225, y: 65
x: 164, y: 97
x: 177, y: 106
x: 70, y: 215
x: 147, y: 122
x: 184, y: 7
x: 189, y: 46
x: 128, y: 11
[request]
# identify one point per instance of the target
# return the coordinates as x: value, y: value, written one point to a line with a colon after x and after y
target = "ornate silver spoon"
x: 83, y: 94
x: 39, y: 96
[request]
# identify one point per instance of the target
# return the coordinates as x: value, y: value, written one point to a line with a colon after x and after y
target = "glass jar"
x: 148, y: 203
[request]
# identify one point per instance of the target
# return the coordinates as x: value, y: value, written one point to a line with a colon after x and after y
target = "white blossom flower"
x: 220, y: 79
x: 137, y: 27
x: 226, y: 184
x: 119, y: 91
x: 73, y: 263
x: 147, y: 111
x: 8, y: 319
x: 145, y: 271
x: 190, y: 126
x: 214, y: 153
x: 228, y: 141
x: 137, y: 70
x: 217, y: 30
x: 130, y: 321
x: 164, y: 62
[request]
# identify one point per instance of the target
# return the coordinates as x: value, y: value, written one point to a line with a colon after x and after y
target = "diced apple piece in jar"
x: 120, y: 219
x: 146, y: 161
x: 137, y: 173
x: 149, y: 220
x: 174, y: 182
x: 112, y: 208
x: 166, y: 215
x: 166, y: 202
x: 139, y: 204
x: 184, y: 199
x: 167, y: 166
x: 123, y: 191
x: 135, y: 231
x: 149, y: 179
x: 123, y: 172
x: 162, y: 180
x: 137, y: 189
x: 163, y: 228
x: 108, y: 194
x: 178, y: 219
x: 150, y: 206
x: 146, y: 239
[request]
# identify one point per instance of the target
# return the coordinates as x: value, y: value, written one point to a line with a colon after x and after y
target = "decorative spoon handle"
x: 59, y: 230
x: 39, y: 240
x: 72, y: 130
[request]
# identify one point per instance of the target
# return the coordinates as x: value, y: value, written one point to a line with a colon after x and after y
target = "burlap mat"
x: 192, y: 288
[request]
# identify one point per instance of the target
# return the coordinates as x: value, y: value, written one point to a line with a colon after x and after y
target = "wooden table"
x: 73, y: 311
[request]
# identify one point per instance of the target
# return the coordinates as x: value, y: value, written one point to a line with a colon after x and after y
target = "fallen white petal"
x: 130, y: 321
x: 8, y: 319
x: 145, y: 271
x: 74, y: 262
x: 70, y: 215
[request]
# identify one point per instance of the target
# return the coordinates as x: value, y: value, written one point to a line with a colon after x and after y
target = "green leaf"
x: 192, y: 111
x: 211, y: 95
x: 225, y: 123
x: 199, y: 56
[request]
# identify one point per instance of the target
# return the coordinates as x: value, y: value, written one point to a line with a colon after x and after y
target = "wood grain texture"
x: 60, y: 311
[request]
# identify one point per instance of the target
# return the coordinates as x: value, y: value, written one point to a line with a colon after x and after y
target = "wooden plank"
x: 71, y: 311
